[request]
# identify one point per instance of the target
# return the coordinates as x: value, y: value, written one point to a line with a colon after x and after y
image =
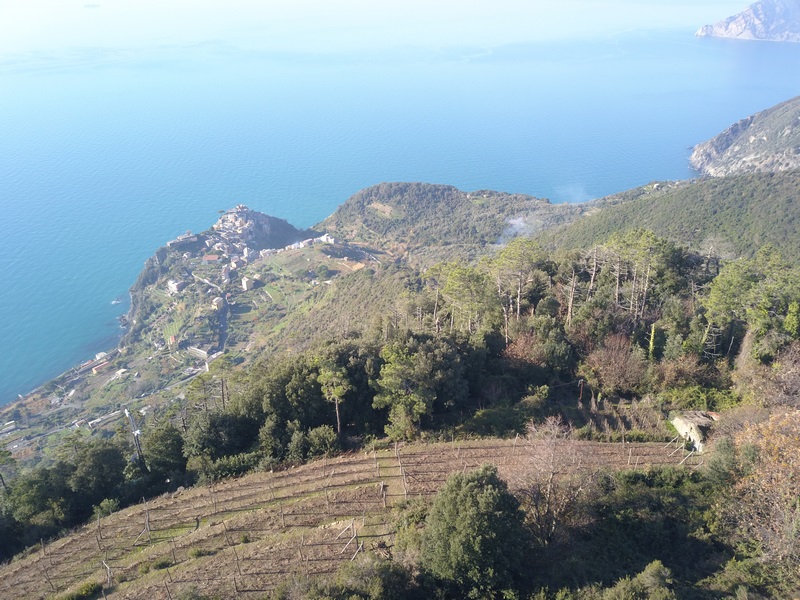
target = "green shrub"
x: 455, y: 548
x: 651, y: 584
x: 198, y: 552
x: 161, y: 563
x: 322, y: 441
x: 297, y: 448
x: 191, y: 593
x: 89, y: 589
x: 105, y: 508
x: 497, y: 421
x: 698, y: 398
x: 236, y: 464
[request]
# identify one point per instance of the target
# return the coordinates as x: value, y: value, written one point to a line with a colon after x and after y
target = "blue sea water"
x: 103, y: 159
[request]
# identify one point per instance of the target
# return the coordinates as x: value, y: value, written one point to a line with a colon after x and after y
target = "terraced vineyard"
x: 241, y: 537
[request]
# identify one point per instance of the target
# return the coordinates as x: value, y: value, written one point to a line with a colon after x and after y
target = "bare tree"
x: 766, y: 507
x: 555, y: 482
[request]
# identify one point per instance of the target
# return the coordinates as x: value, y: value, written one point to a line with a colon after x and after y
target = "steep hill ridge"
x: 773, y: 20
x: 767, y: 141
x: 727, y: 216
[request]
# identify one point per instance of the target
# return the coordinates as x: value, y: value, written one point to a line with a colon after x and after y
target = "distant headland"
x: 769, y: 20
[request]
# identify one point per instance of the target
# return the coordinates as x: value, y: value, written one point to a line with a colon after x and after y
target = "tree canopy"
x: 474, y: 537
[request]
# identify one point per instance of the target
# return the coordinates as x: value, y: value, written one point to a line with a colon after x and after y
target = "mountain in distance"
x: 770, y: 20
x: 768, y: 141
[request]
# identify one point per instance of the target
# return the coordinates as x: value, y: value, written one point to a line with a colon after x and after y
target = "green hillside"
x: 430, y: 223
x: 409, y: 322
x: 730, y: 216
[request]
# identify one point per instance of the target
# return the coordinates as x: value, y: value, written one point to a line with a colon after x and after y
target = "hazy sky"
x: 46, y: 26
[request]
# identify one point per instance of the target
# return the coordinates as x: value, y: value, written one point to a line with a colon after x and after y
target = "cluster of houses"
x: 101, y: 362
x: 228, y: 246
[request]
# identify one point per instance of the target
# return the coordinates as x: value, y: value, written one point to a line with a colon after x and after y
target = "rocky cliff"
x: 768, y: 141
x: 773, y: 20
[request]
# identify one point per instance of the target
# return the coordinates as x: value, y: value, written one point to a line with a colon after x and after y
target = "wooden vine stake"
x: 343, y: 531
x: 146, y: 525
x: 402, y: 470
x: 109, y: 574
x: 360, y: 548
x: 213, y: 497
x: 355, y: 537
x: 47, y: 577
x: 46, y: 554
x: 236, y: 555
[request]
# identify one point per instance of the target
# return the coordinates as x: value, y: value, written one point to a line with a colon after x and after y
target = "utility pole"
x: 136, y: 433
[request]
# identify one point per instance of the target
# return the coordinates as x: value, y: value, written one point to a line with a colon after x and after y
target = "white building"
x: 175, y: 286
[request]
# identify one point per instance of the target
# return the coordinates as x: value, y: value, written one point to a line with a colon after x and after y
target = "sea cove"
x: 105, y: 156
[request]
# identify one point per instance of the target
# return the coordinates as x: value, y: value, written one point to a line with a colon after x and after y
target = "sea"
x: 106, y: 155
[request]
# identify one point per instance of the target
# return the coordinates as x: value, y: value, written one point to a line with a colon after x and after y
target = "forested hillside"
x: 430, y: 223
x: 600, y: 344
x: 726, y: 217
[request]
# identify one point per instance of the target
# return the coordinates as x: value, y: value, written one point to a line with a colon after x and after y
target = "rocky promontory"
x: 772, y: 20
x: 768, y: 141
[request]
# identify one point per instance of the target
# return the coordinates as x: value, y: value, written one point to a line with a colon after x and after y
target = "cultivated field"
x: 241, y: 537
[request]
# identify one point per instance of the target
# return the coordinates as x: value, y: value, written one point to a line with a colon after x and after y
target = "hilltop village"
x: 221, y: 289
x: 220, y: 257
x: 207, y: 292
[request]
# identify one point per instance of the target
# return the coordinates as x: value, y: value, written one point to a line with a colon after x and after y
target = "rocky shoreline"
x: 768, y: 141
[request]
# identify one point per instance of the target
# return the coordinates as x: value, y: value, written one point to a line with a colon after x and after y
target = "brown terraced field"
x: 241, y: 537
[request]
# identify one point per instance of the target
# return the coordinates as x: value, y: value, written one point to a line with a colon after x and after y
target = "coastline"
x: 122, y: 321
x: 107, y: 240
